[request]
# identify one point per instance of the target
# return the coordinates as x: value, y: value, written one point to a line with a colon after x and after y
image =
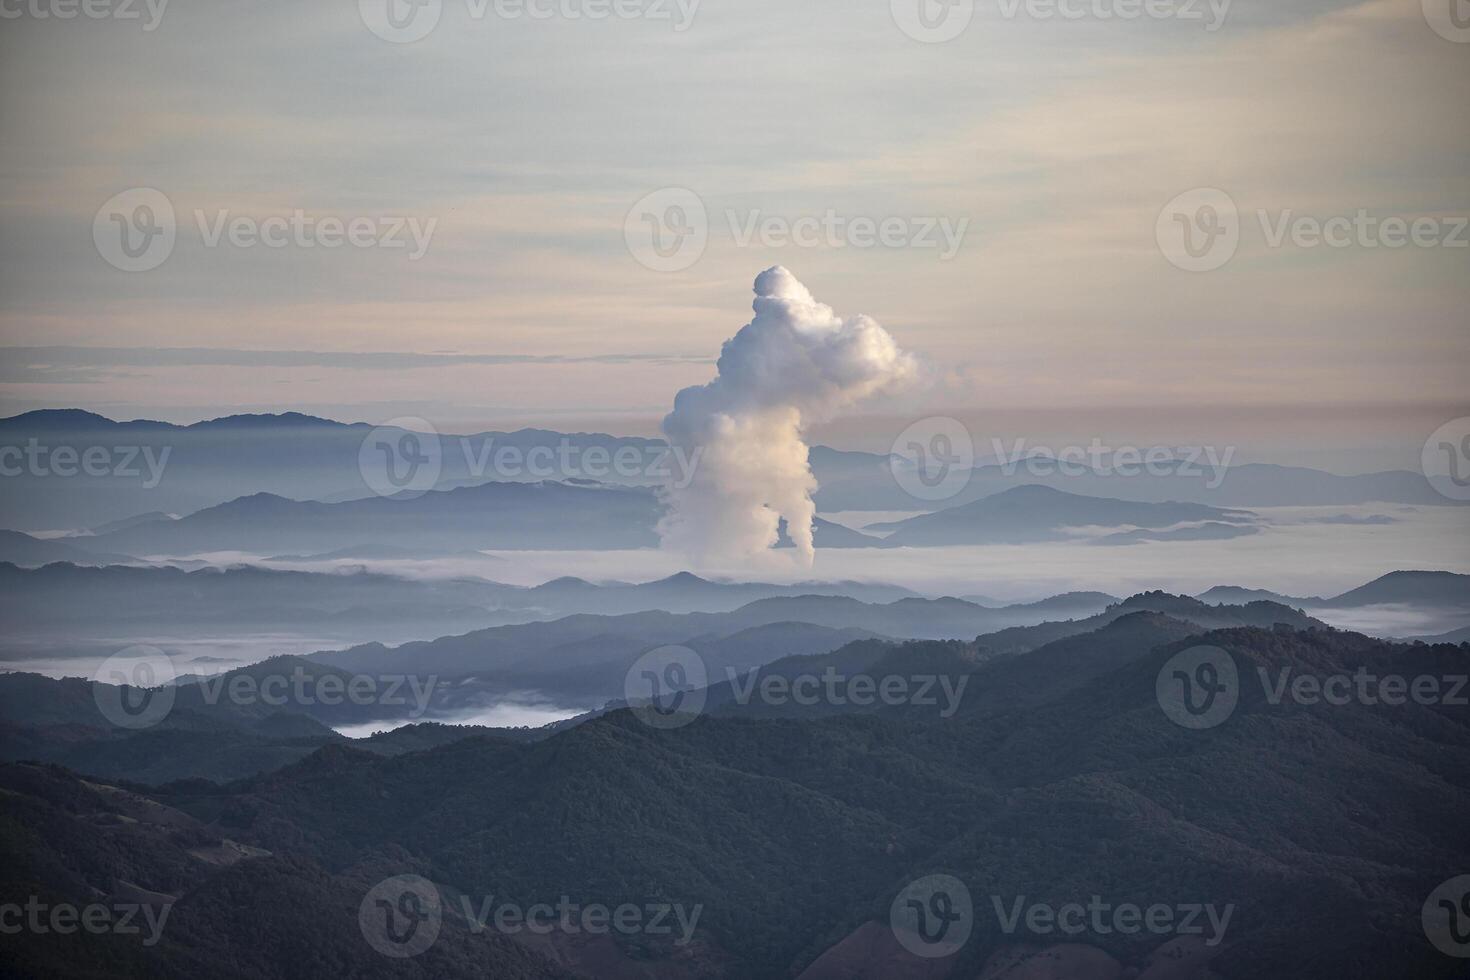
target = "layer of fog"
x: 510, y: 713
x: 1291, y: 555
x: 204, y: 657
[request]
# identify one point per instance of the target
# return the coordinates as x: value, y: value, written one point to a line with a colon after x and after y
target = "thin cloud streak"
x: 85, y: 365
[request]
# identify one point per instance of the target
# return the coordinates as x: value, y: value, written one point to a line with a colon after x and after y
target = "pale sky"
x: 1055, y: 143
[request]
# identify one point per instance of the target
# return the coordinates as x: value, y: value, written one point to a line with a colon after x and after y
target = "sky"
x: 558, y: 218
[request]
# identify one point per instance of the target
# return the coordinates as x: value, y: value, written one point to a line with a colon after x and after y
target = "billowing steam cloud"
x: 795, y: 364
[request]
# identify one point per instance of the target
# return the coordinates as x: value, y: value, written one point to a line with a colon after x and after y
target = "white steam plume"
x: 795, y: 364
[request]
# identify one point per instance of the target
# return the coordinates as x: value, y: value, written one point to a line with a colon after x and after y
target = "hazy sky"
x: 522, y: 143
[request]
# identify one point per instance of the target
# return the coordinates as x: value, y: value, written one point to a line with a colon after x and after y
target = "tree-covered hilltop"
x: 1325, y: 826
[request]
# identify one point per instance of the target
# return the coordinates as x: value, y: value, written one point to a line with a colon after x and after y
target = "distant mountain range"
x: 1411, y: 604
x: 552, y: 515
x: 827, y: 534
x: 1448, y: 589
x: 1260, y: 614
x: 686, y: 592
x: 865, y: 481
x: 1028, y: 514
x: 165, y: 606
x: 301, y: 457
x: 513, y: 516
x: 18, y: 548
x: 161, y: 605
x: 584, y: 658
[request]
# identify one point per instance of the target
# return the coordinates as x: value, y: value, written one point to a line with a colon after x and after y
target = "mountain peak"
x: 283, y: 420
x: 71, y: 418
x: 1032, y: 490
x: 682, y: 578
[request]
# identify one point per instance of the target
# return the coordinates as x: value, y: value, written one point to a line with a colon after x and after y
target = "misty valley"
x: 374, y: 707
x: 734, y: 490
